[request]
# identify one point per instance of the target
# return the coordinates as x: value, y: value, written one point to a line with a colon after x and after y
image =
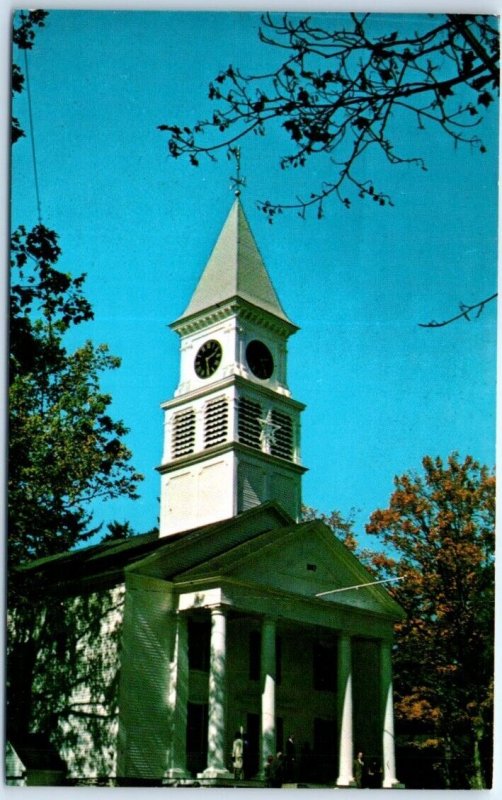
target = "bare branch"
x: 465, y: 311
x: 337, y: 89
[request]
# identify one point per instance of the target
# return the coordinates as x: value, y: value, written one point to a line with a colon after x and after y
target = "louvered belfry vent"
x: 282, y: 444
x: 249, y: 427
x: 216, y: 422
x: 184, y: 433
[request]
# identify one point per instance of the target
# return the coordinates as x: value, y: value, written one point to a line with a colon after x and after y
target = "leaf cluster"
x: 338, y: 91
x: 23, y: 36
x: 342, y: 527
x: 41, y: 295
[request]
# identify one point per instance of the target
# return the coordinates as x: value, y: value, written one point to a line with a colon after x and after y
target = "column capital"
x: 218, y: 608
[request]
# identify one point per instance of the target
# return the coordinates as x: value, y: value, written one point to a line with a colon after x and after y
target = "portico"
x: 269, y: 658
x: 222, y: 630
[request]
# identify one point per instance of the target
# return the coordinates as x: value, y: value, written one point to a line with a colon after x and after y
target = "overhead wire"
x: 32, y: 137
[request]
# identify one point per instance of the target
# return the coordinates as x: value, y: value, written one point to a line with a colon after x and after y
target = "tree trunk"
x: 477, y: 778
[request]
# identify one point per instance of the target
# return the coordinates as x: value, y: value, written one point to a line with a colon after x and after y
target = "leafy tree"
x: 439, y: 538
x: 23, y: 37
x: 64, y: 448
x: 338, y: 90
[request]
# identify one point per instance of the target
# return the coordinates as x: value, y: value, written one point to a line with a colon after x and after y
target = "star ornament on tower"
x: 268, y: 431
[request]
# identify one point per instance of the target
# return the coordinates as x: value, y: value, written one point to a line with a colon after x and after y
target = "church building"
x: 237, y: 616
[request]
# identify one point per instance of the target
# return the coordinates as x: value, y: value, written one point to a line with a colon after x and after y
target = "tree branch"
x: 464, y: 312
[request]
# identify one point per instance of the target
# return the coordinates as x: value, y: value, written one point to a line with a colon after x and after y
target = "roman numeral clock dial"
x: 208, y: 359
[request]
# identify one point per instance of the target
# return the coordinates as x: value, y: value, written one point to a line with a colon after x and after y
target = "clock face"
x: 208, y: 359
x: 259, y: 359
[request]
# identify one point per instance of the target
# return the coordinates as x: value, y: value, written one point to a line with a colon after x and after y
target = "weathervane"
x: 238, y: 181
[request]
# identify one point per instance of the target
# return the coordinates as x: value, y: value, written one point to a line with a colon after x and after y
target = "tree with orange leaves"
x: 439, y: 533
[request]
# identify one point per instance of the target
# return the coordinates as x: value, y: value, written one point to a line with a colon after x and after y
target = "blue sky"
x: 381, y: 392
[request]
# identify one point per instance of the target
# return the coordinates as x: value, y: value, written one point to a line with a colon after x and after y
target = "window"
x: 199, y: 639
x: 282, y: 445
x: 249, y: 427
x: 184, y: 433
x: 215, y: 422
x: 325, y: 666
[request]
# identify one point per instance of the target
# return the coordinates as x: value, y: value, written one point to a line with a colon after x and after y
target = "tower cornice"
x: 227, y: 447
x: 241, y: 383
x: 234, y: 306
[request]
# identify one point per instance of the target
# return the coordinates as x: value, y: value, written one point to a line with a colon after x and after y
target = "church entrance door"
x: 252, y: 760
x: 325, y: 760
x: 197, y: 721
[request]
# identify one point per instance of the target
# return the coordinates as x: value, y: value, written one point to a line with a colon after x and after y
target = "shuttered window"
x: 282, y: 444
x: 248, y: 423
x: 216, y: 422
x: 184, y: 433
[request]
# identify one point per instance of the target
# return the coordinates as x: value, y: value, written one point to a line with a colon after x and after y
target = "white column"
x: 387, y: 700
x: 344, y: 691
x: 268, y: 677
x: 178, y: 701
x: 216, y: 734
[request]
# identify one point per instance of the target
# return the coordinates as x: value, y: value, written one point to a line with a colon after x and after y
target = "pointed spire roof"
x: 235, y: 269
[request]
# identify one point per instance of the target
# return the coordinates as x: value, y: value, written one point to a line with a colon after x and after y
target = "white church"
x: 237, y: 616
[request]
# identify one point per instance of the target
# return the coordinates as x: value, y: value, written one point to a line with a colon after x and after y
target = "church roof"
x: 235, y: 269
x: 264, y: 539
x: 105, y: 562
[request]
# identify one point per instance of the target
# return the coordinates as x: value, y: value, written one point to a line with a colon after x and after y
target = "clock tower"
x: 232, y: 430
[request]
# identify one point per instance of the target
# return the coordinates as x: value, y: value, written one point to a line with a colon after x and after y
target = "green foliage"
x: 65, y: 450
x: 118, y: 530
x: 439, y: 533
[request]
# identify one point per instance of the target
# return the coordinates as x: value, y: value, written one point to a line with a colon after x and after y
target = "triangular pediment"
x: 305, y: 560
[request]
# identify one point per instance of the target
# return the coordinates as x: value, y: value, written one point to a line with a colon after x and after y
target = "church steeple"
x: 232, y: 431
x: 235, y: 269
